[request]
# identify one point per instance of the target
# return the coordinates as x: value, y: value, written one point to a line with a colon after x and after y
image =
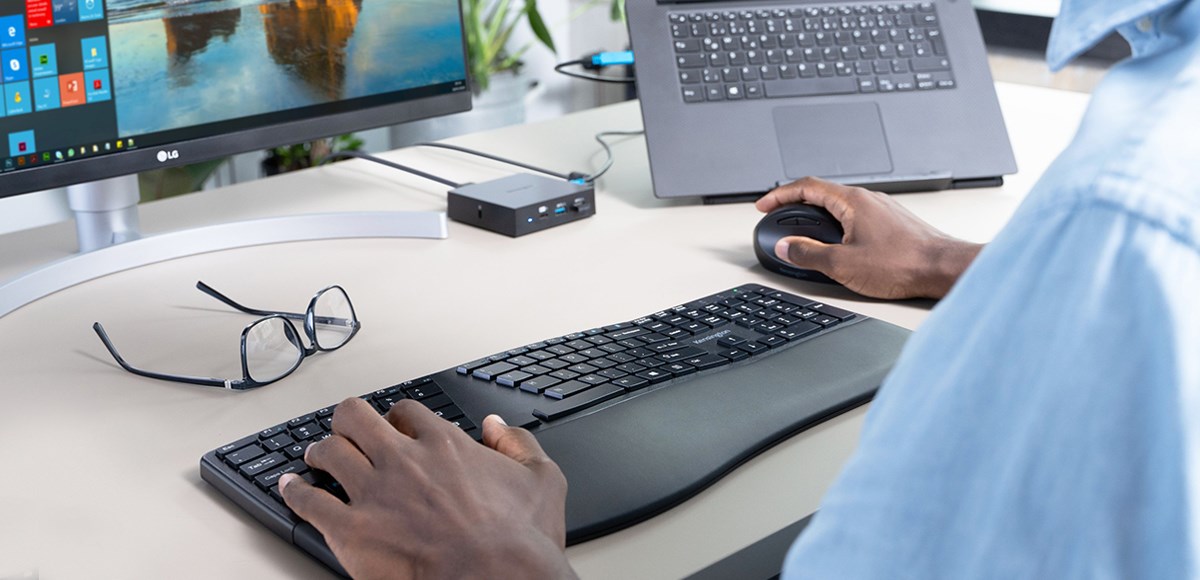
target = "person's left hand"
x: 428, y: 501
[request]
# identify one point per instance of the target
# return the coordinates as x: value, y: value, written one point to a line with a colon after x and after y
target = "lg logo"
x: 164, y: 156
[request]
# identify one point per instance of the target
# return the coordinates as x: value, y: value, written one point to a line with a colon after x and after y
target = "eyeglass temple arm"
x: 208, y: 382
x: 205, y: 288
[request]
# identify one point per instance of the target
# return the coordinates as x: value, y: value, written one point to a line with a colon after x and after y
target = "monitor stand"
x: 106, y: 221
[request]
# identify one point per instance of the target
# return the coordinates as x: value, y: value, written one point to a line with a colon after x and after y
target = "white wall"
x: 33, y: 210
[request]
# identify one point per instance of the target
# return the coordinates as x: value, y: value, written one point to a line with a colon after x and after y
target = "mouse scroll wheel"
x: 798, y: 221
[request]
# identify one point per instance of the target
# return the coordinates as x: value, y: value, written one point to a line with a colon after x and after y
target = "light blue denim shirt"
x: 1045, y: 420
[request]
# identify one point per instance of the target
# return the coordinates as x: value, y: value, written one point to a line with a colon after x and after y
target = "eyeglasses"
x: 271, y: 346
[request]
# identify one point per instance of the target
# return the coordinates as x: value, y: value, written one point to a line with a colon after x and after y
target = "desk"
x: 100, y: 467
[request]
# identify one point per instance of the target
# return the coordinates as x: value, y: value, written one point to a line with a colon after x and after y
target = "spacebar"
x: 810, y: 87
x: 592, y: 396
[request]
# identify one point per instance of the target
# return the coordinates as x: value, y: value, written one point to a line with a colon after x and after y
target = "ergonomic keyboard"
x: 776, y: 52
x: 616, y: 406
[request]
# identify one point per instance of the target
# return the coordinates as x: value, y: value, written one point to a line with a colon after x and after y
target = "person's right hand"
x: 887, y: 252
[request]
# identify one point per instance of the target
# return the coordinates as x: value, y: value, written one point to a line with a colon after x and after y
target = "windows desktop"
x: 85, y: 77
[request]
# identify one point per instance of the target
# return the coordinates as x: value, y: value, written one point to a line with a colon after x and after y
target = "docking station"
x: 521, y: 204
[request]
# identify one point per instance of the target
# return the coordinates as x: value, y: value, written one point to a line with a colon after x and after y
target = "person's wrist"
x: 531, y: 554
x: 945, y: 261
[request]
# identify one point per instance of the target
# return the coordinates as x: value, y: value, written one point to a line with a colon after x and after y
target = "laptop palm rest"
x: 832, y: 140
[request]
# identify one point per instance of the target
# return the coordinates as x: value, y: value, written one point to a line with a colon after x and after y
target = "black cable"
x: 393, y: 165
x: 608, y: 163
x: 559, y: 68
x: 562, y: 176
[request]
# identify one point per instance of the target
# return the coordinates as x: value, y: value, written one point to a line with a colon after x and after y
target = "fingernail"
x: 498, y: 419
x: 781, y: 249
x: 286, y: 479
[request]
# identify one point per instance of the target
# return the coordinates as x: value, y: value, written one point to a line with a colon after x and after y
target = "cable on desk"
x: 562, y: 176
x: 393, y: 165
x: 608, y: 163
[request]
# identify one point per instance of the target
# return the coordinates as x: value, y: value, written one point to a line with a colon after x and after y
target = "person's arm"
x: 887, y: 252
x: 428, y: 501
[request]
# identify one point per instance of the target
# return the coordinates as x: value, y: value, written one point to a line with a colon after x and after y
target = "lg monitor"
x: 99, y: 89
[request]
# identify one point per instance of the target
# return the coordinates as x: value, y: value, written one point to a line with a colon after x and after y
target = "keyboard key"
x: 679, y: 369
x: 536, y: 369
x: 271, y: 477
x: 307, y: 431
x: 257, y: 466
x: 449, y: 412
x: 437, y: 401
x: 667, y: 346
x: 831, y: 311
x: 594, y: 379
x: 630, y: 367
x: 489, y: 372
x: 559, y: 409
x: 612, y: 373
x: 772, y: 341
x: 278, y: 442
x: 539, y: 384
x: 630, y: 383
x: 566, y: 389
x: 628, y: 333
x: 244, y: 454
x: 564, y: 374
x: 825, y: 320
x: 236, y: 445
x: 512, y: 379
x: 929, y: 64
x: 708, y: 361
x: 555, y: 364
x: 582, y: 369
x: 428, y: 389
x: 521, y: 361
x: 654, y: 375
x: 297, y: 451
x: 799, y: 330
x: 468, y: 368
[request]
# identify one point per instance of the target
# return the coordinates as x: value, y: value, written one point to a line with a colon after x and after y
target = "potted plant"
x: 497, y: 89
x: 301, y: 155
x: 489, y: 27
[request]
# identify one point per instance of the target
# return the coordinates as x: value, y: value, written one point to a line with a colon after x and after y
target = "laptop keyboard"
x: 724, y: 55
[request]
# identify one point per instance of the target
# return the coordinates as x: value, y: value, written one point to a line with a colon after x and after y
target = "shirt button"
x: 1145, y: 25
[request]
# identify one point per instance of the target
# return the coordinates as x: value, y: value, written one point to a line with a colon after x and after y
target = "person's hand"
x: 887, y: 252
x: 428, y: 501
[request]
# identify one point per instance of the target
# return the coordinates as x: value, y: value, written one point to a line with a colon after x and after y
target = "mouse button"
x: 798, y: 221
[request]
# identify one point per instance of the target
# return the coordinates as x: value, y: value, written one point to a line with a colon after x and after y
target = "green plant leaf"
x: 538, y: 25
x: 617, y: 11
x: 497, y: 17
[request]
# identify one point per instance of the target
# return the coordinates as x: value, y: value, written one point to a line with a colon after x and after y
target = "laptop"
x: 741, y: 96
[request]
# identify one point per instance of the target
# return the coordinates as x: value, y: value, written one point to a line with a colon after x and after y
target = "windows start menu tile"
x: 55, y: 79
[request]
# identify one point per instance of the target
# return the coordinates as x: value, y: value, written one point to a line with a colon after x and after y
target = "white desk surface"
x: 100, y: 467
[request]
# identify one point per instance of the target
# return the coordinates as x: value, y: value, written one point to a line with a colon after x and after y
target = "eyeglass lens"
x: 333, y: 318
x: 272, y: 349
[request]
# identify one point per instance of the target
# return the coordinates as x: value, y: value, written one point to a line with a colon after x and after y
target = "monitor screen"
x: 100, y: 88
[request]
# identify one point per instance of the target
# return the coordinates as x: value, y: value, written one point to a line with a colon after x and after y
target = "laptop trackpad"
x: 832, y: 140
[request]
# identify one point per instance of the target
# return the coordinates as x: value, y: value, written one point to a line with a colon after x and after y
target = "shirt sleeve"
x: 1034, y: 426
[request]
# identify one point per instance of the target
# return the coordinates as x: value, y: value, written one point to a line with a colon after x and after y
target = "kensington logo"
x: 164, y: 156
